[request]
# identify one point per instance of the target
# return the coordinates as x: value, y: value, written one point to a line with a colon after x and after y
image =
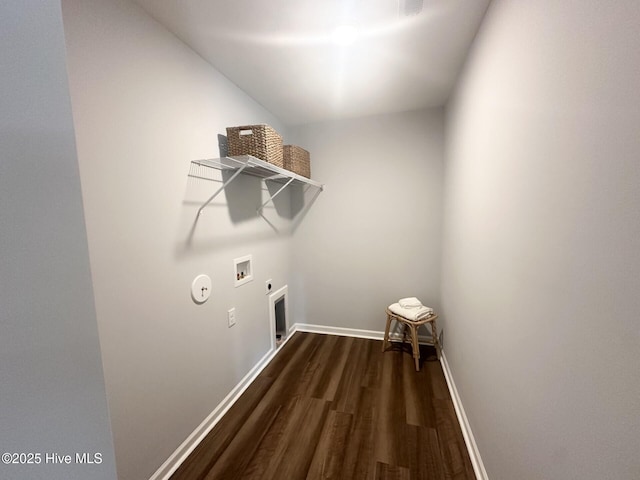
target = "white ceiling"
x: 282, y: 53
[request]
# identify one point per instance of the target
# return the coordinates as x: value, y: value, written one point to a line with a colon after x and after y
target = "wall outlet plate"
x: 268, y: 286
x: 231, y: 317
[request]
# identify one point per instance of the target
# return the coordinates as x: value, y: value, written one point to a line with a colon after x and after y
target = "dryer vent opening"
x: 280, y: 314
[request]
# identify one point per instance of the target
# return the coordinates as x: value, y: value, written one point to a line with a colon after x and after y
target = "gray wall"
x: 373, y: 235
x: 144, y: 106
x: 52, y: 392
x: 541, y: 270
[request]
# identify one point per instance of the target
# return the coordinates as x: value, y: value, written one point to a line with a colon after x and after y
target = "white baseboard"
x: 354, y: 332
x: 469, y: 439
x: 184, y: 450
x: 345, y: 332
x: 191, y: 442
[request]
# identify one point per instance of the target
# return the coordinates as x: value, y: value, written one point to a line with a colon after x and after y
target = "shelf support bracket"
x: 270, y: 199
x: 224, y: 185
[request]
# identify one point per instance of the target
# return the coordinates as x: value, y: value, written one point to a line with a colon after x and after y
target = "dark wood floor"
x: 337, y: 407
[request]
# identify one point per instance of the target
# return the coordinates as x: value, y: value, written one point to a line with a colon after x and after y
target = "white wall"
x: 52, y: 392
x: 374, y: 234
x: 541, y: 271
x: 144, y: 106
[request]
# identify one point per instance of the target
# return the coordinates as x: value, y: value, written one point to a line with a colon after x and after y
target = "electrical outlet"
x: 231, y: 316
x: 268, y: 286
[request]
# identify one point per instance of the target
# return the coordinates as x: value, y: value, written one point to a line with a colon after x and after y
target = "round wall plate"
x: 201, y: 288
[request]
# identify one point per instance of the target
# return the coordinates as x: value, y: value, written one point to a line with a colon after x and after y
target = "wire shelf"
x: 258, y: 168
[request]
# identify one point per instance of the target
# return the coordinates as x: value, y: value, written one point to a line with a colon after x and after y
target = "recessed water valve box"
x: 243, y: 270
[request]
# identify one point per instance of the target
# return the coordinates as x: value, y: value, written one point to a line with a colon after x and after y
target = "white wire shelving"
x: 247, y: 164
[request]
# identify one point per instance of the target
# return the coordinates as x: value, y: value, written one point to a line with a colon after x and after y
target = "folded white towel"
x: 414, y: 314
x: 410, y: 302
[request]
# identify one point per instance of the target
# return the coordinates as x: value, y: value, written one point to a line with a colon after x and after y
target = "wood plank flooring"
x: 330, y: 407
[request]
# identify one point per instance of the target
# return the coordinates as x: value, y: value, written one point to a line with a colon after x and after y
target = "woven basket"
x: 296, y: 160
x: 260, y: 141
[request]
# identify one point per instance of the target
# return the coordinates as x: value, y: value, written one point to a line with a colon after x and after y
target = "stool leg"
x: 436, y: 340
x: 386, y: 333
x: 415, y: 346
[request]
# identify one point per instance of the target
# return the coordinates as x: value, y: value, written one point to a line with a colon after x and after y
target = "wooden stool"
x: 413, y: 327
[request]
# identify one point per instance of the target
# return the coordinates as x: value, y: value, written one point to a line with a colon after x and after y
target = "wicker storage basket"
x: 296, y: 160
x: 261, y: 141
